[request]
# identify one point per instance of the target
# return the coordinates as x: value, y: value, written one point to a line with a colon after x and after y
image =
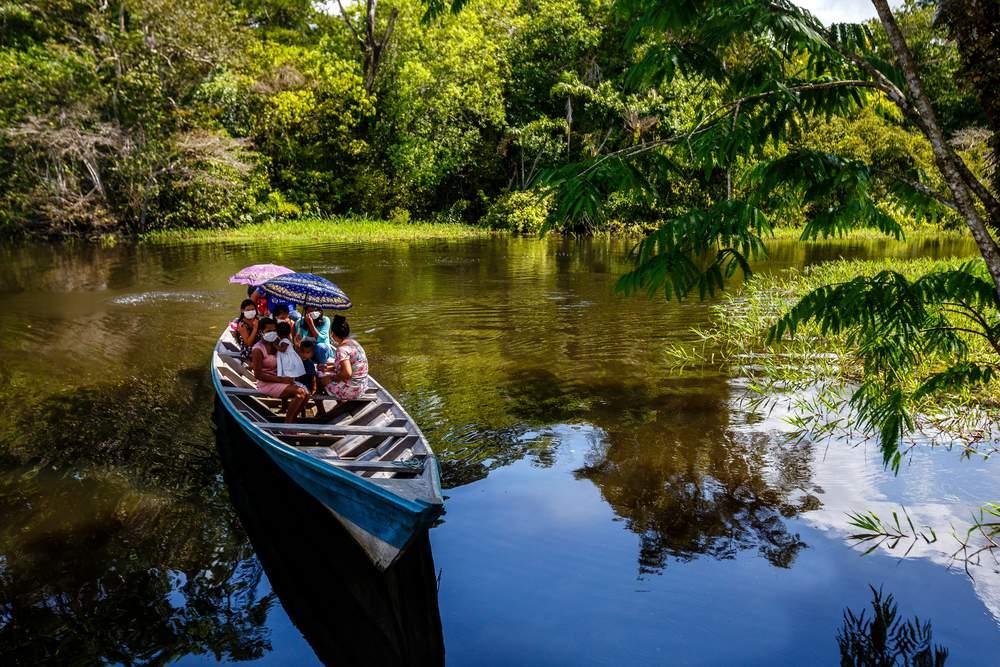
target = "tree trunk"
x: 372, y: 47
x: 375, y: 47
x: 944, y: 156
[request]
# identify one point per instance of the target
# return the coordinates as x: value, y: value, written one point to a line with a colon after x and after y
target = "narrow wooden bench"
x: 334, y: 429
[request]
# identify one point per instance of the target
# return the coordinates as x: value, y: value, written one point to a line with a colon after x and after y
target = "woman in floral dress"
x: 346, y: 377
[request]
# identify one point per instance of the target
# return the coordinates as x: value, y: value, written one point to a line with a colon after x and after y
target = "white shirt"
x: 289, y: 362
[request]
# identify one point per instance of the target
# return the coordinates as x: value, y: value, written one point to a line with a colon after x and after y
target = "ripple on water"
x: 158, y: 296
x: 324, y: 269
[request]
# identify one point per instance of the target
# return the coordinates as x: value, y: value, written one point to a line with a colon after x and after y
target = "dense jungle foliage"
x: 140, y: 115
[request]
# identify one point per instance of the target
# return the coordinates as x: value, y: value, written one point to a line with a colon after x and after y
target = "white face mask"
x: 249, y: 314
x: 314, y: 314
x: 270, y: 336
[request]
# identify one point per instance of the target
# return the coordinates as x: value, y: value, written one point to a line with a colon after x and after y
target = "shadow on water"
x: 350, y: 613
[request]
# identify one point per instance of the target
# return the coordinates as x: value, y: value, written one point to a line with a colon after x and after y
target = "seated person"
x: 268, y: 305
x: 306, y: 350
x: 246, y: 326
x: 264, y: 364
x: 289, y: 362
x: 315, y: 326
x: 281, y: 314
x: 259, y: 299
x: 347, y: 377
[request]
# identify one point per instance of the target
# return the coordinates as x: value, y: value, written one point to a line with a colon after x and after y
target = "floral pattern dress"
x: 350, y: 350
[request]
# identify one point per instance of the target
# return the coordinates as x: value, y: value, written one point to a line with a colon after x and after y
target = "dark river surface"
x: 601, y: 509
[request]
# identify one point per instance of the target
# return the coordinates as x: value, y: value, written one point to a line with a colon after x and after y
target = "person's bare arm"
x: 345, y: 372
x: 248, y: 338
x: 311, y: 325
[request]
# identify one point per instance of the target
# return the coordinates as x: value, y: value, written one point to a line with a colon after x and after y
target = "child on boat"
x: 281, y: 314
x: 306, y: 350
x: 289, y: 362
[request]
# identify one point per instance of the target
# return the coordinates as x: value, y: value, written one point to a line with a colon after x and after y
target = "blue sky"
x: 834, y: 11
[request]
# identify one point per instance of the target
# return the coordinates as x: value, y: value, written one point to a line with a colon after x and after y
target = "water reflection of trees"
x: 118, y: 542
x: 671, y: 466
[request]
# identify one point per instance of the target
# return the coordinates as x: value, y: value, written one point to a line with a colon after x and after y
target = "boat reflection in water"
x: 348, y: 611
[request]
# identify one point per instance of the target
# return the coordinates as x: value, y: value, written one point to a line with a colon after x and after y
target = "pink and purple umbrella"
x: 258, y: 273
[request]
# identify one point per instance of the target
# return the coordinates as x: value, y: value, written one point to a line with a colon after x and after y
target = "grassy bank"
x: 814, y: 373
x: 742, y: 318
x: 794, y: 233
x: 323, y: 229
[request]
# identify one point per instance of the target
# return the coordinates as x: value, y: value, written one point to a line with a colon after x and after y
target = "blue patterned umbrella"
x: 307, y: 289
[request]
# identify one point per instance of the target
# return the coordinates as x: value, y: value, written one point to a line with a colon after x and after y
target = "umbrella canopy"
x: 307, y: 289
x: 258, y: 273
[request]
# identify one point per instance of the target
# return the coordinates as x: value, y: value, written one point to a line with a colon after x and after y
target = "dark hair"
x: 265, y: 322
x: 340, y: 327
x: 251, y: 289
x: 307, y: 345
x: 247, y: 303
x: 284, y: 329
x: 278, y: 310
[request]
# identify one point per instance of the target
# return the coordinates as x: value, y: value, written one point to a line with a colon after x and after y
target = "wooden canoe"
x: 365, y: 460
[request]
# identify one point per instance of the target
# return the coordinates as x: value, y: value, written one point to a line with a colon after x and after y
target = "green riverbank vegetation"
x: 138, y: 116
x: 815, y: 372
x: 348, y: 229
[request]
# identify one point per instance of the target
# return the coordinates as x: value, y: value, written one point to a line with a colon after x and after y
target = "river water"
x: 601, y: 508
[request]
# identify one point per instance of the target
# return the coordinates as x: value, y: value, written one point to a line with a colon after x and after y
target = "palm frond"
x: 698, y: 251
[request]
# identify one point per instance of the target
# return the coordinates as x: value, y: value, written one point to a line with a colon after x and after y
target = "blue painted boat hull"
x: 383, y: 522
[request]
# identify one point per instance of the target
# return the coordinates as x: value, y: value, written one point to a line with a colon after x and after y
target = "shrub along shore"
x: 322, y: 229
x: 357, y: 228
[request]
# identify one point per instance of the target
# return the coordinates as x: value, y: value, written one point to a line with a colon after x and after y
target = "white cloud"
x: 839, y: 11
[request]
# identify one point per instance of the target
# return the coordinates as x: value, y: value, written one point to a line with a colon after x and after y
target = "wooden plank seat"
x: 252, y: 391
x: 336, y: 429
x: 412, y: 465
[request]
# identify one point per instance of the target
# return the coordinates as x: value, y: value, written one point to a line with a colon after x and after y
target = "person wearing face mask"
x: 315, y: 326
x: 264, y: 363
x: 246, y: 328
x: 281, y: 314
